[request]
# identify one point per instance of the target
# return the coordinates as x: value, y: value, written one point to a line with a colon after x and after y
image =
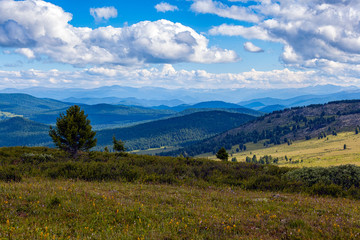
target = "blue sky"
x: 179, y: 44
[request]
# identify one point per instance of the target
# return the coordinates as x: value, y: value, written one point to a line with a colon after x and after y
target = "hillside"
x: 106, y: 115
x: 286, y: 126
x: 18, y: 131
x: 174, y: 131
x: 101, y: 115
x: 27, y: 105
x: 315, y: 152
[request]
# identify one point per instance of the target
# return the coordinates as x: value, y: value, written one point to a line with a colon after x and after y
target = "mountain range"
x: 171, y: 97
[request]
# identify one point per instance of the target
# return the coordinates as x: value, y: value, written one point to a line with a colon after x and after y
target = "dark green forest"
x: 284, y: 126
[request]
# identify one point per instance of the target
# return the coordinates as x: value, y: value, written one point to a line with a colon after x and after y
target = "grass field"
x: 324, y: 152
x: 39, y: 208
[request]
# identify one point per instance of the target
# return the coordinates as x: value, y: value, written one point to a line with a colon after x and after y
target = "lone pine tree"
x: 222, y: 154
x: 73, y: 132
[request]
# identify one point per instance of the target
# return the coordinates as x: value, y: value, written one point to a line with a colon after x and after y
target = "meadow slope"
x: 325, y: 152
x: 67, y: 209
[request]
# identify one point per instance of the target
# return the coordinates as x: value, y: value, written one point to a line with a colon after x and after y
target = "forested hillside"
x: 18, y: 131
x: 174, y: 131
x: 27, y: 105
x: 286, y: 126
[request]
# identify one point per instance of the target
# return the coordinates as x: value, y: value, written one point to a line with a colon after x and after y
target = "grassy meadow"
x: 46, y: 194
x: 66, y: 209
x: 325, y: 152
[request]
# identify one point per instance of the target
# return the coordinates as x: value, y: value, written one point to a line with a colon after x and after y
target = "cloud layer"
x: 168, y: 77
x: 42, y: 30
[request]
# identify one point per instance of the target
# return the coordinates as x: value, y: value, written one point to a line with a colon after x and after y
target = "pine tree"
x: 222, y: 154
x: 118, y: 145
x: 73, y: 132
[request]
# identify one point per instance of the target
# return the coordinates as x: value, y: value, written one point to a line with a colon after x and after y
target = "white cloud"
x: 312, y: 31
x: 250, y: 47
x: 44, y: 29
x: 104, y: 13
x: 165, y: 7
x: 26, y: 52
x: 254, y: 32
x: 222, y: 10
x: 167, y: 76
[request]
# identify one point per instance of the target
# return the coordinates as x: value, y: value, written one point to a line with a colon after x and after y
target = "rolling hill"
x: 27, y: 105
x: 101, y: 115
x: 106, y: 115
x: 286, y: 126
x: 18, y: 131
x: 174, y: 131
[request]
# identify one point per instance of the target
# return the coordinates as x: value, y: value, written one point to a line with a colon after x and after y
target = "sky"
x: 204, y: 44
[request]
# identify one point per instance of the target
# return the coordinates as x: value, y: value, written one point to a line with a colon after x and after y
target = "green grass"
x: 38, y: 208
x: 315, y: 152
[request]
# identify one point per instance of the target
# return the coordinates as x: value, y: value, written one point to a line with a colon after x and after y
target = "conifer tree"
x: 73, y: 132
x: 222, y: 154
x: 118, y: 145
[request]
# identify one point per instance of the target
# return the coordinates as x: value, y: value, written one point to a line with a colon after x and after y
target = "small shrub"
x: 9, y: 174
x: 54, y: 202
x: 323, y: 189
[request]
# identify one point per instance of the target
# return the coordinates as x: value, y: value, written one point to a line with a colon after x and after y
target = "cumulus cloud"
x: 104, y: 13
x: 313, y: 32
x: 223, y: 10
x: 43, y: 28
x: 165, y: 7
x: 250, y: 47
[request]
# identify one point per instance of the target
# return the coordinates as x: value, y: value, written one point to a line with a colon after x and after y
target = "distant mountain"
x: 286, y: 125
x: 131, y: 101
x: 304, y: 100
x: 18, y: 131
x: 211, y: 106
x: 215, y: 104
x: 188, y: 96
x: 253, y: 105
x: 271, y: 108
x: 174, y: 131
